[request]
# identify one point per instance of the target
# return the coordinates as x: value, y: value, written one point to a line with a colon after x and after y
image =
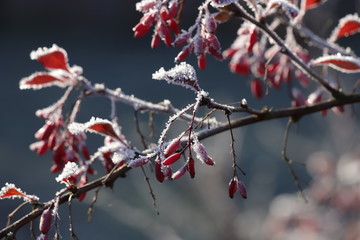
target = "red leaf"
x: 313, y: 3
x: 41, y: 79
x: 105, y: 129
x: 347, y: 64
x: 51, y: 58
x: 348, y: 25
x: 96, y: 125
x: 11, y: 191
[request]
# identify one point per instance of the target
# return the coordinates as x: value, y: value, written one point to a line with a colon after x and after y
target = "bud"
x: 45, y: 221
x: 172, y: 159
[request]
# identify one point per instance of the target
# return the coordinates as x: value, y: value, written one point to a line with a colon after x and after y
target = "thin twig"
x: 71, y: 226
x: 138, y: 130
x: 288, y: 161
x: 92, y: 204
x: 146, y: 178
x: 235, y: 165
x: 11, y: 215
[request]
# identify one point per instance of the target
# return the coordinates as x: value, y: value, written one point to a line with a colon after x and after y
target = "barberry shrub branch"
x: 266, y: 47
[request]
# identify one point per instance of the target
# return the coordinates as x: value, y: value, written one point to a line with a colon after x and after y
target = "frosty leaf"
x: 347, y: 64
x: 348, y: 25
x: 11, y: 191
x: 312, y: 3
x: 291, y: 10
x: 69, y: 170
x: 183, y: 74
x: 222, y: 3
x: 51, y: 58
x: 95, y: 125
x: 42, y: 79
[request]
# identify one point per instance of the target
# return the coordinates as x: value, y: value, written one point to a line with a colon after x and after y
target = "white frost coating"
x: 34, y: 55
x: 222, y: 3
x: 342, y: 22
x: 121, y: 156
x: 9, y: 186
x: 60, y: 81
x: 76, y: 128
x: 70, y: 169
x: 290, y: 9
x: 183, y: 74
x: 346, y: 64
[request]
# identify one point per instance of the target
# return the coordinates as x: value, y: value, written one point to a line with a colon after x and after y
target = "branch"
x: 296, y: 112
x: 239, y: 12
x: 14, y: 227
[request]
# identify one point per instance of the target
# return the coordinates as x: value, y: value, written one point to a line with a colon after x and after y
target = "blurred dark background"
x: 97, y: 36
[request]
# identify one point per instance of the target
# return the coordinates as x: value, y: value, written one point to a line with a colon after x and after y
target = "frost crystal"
x: 222, y: 3
x: 70, y: 169
x: 183, y: 74
x: 11, y: 191
x: 76, y: 128
x: 40, y: 52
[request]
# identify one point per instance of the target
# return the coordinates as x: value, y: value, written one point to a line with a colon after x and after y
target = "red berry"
x: 172, y: 146
x: 232, y: 187
x: 45, y: 221
x: 174, y: 25
x: 242, y: 189
x: 172, y: 159
x: 158, y: 172
x: 256, y: 88
x: 191, y: 167
x: 201, y: 61
x: 155, y: 41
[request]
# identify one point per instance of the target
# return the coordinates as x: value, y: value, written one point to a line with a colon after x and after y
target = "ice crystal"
x: 11, y: 191
x: 69, y: 170
x: 183, y: 74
